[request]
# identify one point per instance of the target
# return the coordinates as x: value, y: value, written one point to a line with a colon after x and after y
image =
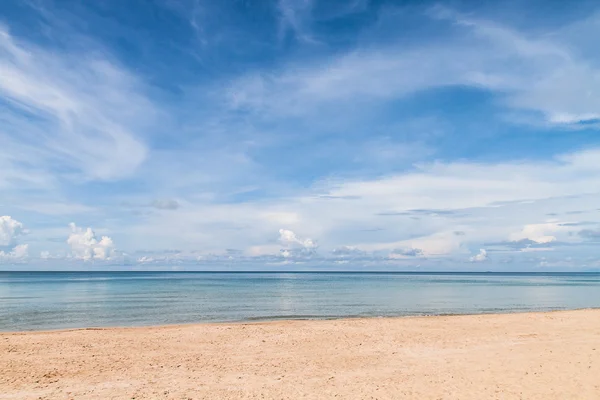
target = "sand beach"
x: 552, y: 355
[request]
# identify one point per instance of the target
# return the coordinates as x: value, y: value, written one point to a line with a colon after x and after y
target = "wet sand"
x: 552, y: 355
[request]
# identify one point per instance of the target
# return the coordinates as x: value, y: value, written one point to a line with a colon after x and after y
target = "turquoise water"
x: 55, y: 300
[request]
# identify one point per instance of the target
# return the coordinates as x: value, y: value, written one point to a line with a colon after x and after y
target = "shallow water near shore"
x: 58, y: 300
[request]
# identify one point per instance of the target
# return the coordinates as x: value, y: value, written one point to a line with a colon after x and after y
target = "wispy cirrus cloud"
x: 68, y: 114
x: 529, y: 71
x: 294, y: 17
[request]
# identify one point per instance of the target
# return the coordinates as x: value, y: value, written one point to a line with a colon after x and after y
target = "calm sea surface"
x: 53, y: 300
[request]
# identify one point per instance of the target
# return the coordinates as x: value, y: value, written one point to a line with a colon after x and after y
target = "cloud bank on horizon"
x: 300, y: 134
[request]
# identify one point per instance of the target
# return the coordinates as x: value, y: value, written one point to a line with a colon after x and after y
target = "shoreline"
x: 533, y: 355
x: 270, y: 320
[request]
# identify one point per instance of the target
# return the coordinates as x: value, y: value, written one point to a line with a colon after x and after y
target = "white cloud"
x: 480, y: 257
x: 294, y: 16
x: 406, y: 252
x: 294, y: 246
x: 85, y: 103
x: 540, y: 233
x: 536, y: 249
x: 347, y: 251
x: 565, y: 118
x: 86, y: 246
x: 18, y: 253
x: 421, y: 208
x: 433, y: 245
x: 529, y: 71
x: 10, y: 230
x: 289, y: 238
x: 80, y: 112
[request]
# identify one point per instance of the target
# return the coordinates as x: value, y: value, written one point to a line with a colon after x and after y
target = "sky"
x: 299, y: 134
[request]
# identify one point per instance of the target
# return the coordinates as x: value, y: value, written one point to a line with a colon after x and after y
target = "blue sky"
x: 299, y: 134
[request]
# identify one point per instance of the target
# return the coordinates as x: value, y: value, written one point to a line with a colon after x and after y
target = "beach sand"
x: 552, y: 355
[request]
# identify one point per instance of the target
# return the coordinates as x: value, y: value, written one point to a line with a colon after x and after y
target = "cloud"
x: 295, y: 246
x: 531, y: 72
x: 546, y: 74
x: 532, y: 249
x: 75, y: 114
x: 347, y: 251
x: 55, y: 208
x: 581, y: 223
x: 67, y: 113
x: 165, y: 204
x: 511, y: 202
x: 18, y: 253
x: 480, y: 257
x: 410, y: 252
x: 419, y: 213
x: 589, y: 234
x: 515, y: 244
x: 437, y: 244
x: 539, y: 233
x: 289, y: 238
x: 294, y: 17
x: 86, y: 246
x: 10, y: 230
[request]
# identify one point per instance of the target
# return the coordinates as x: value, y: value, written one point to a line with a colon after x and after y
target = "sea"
x: 63, y: 300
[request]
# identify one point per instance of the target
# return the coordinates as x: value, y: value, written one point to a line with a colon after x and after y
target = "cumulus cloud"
x: 86, y: 246
x: 480, y: 257
x: 289, y: 238
x: 18, y: 253
x: 295, y: 246
x: 10, y: 229
x: 539, y: 233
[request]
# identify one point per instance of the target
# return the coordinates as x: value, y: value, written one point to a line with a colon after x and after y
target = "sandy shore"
x: 516, y: 356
